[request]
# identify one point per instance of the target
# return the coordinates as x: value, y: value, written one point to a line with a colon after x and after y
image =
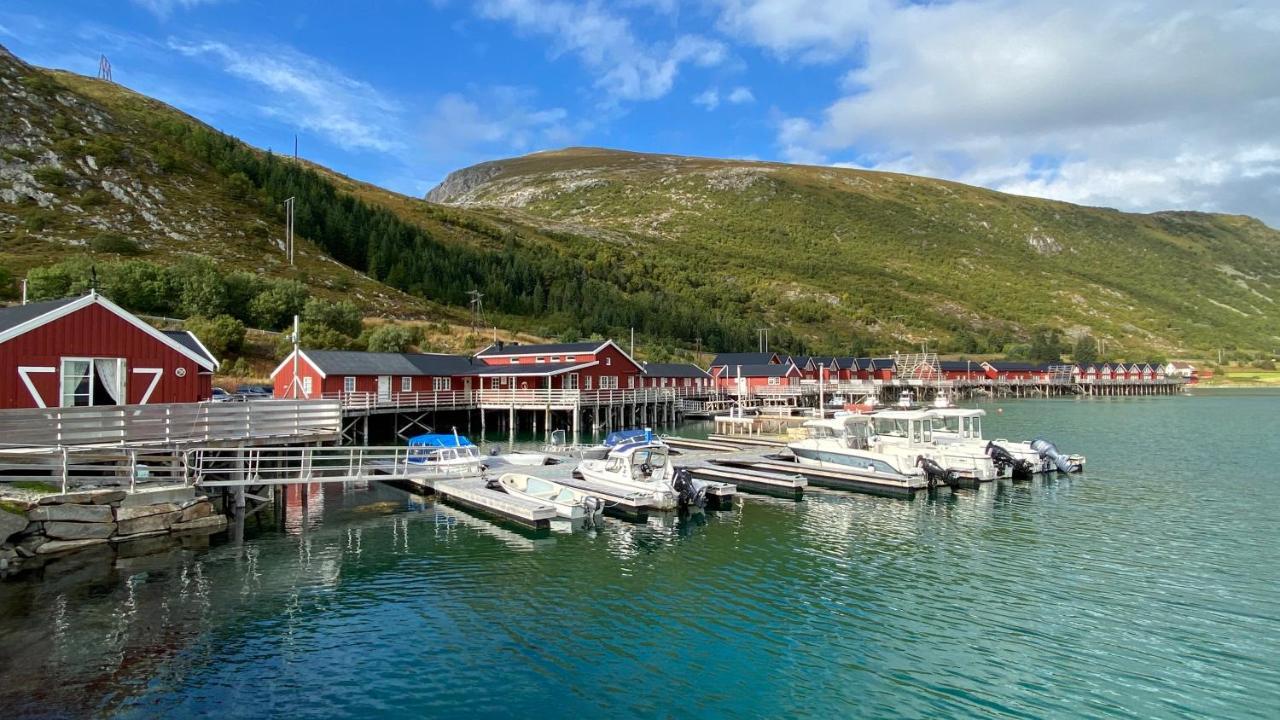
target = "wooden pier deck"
x: 831, y: 478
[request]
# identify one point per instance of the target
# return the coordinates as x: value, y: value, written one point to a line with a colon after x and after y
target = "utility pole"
x: 475, y: 303
x: 288, y: 228
x: 104, y: 68
x: 632, y: 351
x: 295, y: 147
x: 24, y: 291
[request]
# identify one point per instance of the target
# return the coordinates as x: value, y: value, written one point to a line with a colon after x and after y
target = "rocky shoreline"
x: 36, y: 529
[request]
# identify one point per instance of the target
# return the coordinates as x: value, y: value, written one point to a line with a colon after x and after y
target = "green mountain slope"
x: 834, y: 253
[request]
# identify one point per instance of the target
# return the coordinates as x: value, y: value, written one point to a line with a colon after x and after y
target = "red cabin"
x: 676, y: 375
x: 344, y: 373
x: 89, y: 351
x: 593, y: 365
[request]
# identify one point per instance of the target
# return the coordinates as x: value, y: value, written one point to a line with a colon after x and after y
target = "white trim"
x: 94, y: 298
x: 155, y: 380
x: 533, y: 371
x: 502, y: 353
x: 216, y: 363
x: 303, y: 355
x: 24, y: 372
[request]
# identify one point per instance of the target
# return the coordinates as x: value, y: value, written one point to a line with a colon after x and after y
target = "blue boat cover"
x: 439, y: 440
x: 615, y: 439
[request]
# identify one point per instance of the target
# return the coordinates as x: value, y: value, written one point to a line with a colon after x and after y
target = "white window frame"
x: 406, y: 384
x: 555, y: 358
x: 608, y: 361
x: 586, y: 382
x: 514, y: 361
x: 442, y: 384
x: 631, y: 382
x: 773, y: 380
x: 306, y: 385
x: 608, y: 382
x: 121, y: 377
x: 348, y: 384
x: 568, y: 358
x: 540, y: 359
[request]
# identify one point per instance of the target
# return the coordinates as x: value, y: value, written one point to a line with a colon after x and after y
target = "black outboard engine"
x: 689, y: 492
x: 1004, y: 459
x: 1050, y: 451
x: 936, y: 474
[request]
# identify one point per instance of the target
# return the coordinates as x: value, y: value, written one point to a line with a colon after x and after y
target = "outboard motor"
x: 1005, y: 459
x: 689, y: 492
x: 1050, y: 451
x: 937, y: 474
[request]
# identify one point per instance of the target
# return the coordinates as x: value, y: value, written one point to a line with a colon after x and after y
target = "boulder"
x: 212, y: 523
x: 71, y: 498
x: 148, y: 523
x: 161, y: 495
x: 138, y: 536
x: 108, y: 497
x: 72, y: 513
x: 141, y: 511
x: 58, y: 546
x: 29, y: 546
x: 79, y: 530
x: 196, y: 511
x: 11, y: 524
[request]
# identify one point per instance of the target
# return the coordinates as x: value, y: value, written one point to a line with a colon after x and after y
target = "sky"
x: 1142, y: 106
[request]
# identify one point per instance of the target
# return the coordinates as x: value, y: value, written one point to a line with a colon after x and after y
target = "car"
x: 254, y: 392
x: 221, y: 395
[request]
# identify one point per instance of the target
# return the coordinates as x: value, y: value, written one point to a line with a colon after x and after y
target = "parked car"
x: 254, y: 392
x: 221, y: 395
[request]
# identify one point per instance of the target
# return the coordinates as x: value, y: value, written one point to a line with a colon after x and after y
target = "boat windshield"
x: 655, y: 458
x: 913, y: 430
x: 819, y: 432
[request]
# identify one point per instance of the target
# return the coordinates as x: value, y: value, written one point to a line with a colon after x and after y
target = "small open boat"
x: 569, y: 502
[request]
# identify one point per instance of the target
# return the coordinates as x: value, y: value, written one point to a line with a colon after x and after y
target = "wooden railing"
x: 518, y: 397
x: 167, y: 424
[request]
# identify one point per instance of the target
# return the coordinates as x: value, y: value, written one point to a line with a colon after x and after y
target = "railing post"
x: 133, y: 470
x: 64, y: 469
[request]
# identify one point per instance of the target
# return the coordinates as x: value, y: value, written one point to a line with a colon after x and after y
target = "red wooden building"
x: 334, y: 373
x: 677, y: 375
x: 89, y: 351
x: 591, y: 365
x: 760, y: 378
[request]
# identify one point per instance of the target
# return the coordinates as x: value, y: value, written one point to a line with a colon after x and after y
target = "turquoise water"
x: 1149, y: 587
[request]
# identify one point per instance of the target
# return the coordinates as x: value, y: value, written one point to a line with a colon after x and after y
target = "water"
x: 1148, y: 588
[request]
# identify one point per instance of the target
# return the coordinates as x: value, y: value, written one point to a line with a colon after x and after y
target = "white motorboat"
x: 524, y: 458
x: 846, y: 443
x: 912, y: 431
x: 964, y: 426
x: 569, y: 502
x: 644, y: 467
x: 444, y: 456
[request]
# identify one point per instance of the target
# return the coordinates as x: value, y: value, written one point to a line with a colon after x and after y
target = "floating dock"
x: 768, y: 483
x: 741, y: 441
x: 832, y: 478
x: 696, y: 444
x: 473, y: 494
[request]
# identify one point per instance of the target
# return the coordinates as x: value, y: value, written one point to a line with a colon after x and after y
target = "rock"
x: 72, y: 513
x: 29, y: 546
x: 148, y: 523
x: 213, y: 523
x: 57, y: 546
x: 133, y: 513
x: 138, y: 536
x: 195, y: 512
x: 33, y: 528
x: 11, y: 524
x: 79, y: 530
x: 163, y: 495
x: 108, y: 497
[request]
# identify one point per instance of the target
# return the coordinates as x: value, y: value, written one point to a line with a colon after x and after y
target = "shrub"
x: 93, y: 197
x: 137, y: 285
x: 115, y: 243
x: 50, y: 175
x: 222, y: 335
x: 198, y: 287
x: 391, y: 338
x: 274, y: 306
x: 342, y: 316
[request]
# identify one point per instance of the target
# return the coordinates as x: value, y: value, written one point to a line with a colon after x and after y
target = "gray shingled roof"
x: 525, y: 368
x: 551, y: 349
x: 357, y: 362
x: 189, y: 341
x: 15, y: 315
x: 743, y: 358
x: 675, y: 370
x: 767, y: 370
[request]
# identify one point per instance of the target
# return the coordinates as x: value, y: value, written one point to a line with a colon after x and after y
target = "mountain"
x: 835, y: 253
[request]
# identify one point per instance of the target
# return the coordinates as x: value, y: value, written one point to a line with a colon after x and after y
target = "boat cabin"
x: 852, y: 431
x: 638, y: 461
x: 962, y: 423
x: 443, y: 451
x: 914, y: 426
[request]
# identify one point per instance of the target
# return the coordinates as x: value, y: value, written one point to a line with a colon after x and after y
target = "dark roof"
x: 802, y: 360
x: 1010, y: 366
x: 847, y: 363
x: 745, y: 358
x: 550, y: 349
x: 675, y: 370
x: 823, y: 360
x: 356, y: 362
x: 187, y: 340
x: 15, y: 315
x: 960, y: 365
x: 768, y: 370
x: 526, y: 368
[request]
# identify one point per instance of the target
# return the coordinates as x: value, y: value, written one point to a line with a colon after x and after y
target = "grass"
x: 1245, y: 375
x: 13, y: 507
x: 38, y: 487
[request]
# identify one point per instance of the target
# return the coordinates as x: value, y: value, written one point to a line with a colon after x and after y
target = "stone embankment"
x: 53, y: 525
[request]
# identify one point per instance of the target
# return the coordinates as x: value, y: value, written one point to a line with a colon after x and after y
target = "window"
x: 568, y: 358
x: 306, y: 385
x: 93, y: 381
x: 555, y: 358
x: 514, y: 361
x: 348, y: 385
x: 608, y: 382
x: 406, y: 384
x: 586, y: 383
x: 688, y: 382
x: 773, y: 381
x: 631, y: 381
x: 441, y: 384
x: 608, y: 361
x: 540, y: 359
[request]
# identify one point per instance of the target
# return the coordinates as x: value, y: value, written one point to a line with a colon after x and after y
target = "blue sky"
x: 1135, y: 105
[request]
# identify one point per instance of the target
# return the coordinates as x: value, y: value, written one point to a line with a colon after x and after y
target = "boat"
x: 845, y: 443
x: 559, y: 445
x: 569, y: 502
x: 912, y: 431
x: 444, y: 455
x: 645, y: 467
x: 1023, y: 459
x: 524, y: 458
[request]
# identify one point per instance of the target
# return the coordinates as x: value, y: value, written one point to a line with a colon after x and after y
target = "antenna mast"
x: 104, y: 68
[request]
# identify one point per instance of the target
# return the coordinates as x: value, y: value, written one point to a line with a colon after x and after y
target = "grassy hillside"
x: 834, y: 253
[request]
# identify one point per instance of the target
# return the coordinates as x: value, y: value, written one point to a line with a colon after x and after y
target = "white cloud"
x: 709, y: 99
x: 165, y: 8
x: 1133, y: 105
x: 740, y: 96
x: 499, y: 119
x: 310, y: 93
x: 626, y: 68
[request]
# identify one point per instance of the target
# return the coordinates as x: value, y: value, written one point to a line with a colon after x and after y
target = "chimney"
x: 501, y: 345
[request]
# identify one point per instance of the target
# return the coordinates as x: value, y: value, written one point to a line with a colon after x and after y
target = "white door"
x: 572, y: 383
x: 384, y: 387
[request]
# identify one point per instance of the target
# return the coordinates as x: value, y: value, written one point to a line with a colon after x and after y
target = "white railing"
x: 65, y: 468
x: 168, y: 424
x: 518, y: 397
x: 405, y: 400
x: 216, y: 467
